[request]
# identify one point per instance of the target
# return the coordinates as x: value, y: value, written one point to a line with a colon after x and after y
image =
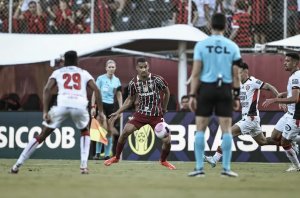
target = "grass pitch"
x: 61, y: 178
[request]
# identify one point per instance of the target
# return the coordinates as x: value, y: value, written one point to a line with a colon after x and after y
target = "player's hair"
x: 185, y: 97
x: 294, y: 56
x: 110, y: 61
x: 218, y: 21
x: 141, y: 60
x: 70, y: 58
x: 244, y: 65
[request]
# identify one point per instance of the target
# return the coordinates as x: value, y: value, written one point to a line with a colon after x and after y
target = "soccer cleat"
x: 228, y: 173
x: 168, y: 165
x: 84, y: 171
x: 111, y: 161
x: 106, y: 157
x: 96, y: 156
x: 14, y: 171
x: 197, y: 173
x: 210, y: 160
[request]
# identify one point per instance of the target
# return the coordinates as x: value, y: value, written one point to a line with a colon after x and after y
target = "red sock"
x: 119, y: 149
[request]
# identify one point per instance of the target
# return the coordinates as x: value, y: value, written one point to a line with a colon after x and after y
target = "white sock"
x: 217, y: 156
x: 291, y: 154
x: 84, y: 150
x: 28, y: 150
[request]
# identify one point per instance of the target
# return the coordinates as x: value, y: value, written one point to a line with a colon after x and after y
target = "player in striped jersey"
x: 151, y: 108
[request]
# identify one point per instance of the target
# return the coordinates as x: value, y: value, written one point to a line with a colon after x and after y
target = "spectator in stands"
x: 261, y: 14
x: 180, y: 11
x: 241, y: 25
x: 12, y: 102
x: 33, y: 19
x: 102, y: 16
x: 52, y: 7
x: 184, y: 103
x: 32, y: 103
x: 293, y: 18
x: 82, y: 24
x: 64, y: 20
x: 202, y: 20
x: 172, y: 105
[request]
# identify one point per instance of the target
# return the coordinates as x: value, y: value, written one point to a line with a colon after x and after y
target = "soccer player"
x: 72, y: 83
x: 215, y: 72
x: 250, y: 122
x: 110, y: 86
x: 147, y: 87
x: 290, y: 122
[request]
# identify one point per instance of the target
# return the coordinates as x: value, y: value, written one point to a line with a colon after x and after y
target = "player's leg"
x: 165, y: 150
x: 128, y: 129
x: 81, y: 120
x: 288, y: 135
x: 201, y: 124
x: 109, y: 109
x: 212, y: 160
x: 57, y: 116
x: 30, y: 148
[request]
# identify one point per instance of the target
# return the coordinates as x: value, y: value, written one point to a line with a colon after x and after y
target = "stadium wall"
x: 16, y: 128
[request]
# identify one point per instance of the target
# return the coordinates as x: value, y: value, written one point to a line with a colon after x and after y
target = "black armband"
x: 236, y: 93
x: 239, y: 63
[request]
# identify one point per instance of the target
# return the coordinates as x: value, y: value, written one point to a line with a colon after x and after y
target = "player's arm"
x: 166, y: 97
x: 119, y: 96
x: 127, y: 103
x: 282, y: 95
x: 271, y: 88
x: 96, y: 95
x: 47, y: 97
x: 293, y: 99
x: 197, y: 67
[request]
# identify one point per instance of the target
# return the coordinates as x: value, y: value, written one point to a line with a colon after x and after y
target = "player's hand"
x: 46, y: 117
x: 192, y: 104
x: 236, y: 105
x: 113, y: 116
x: 283, y: 107
x: 267, y: 102
x: 101, y: 116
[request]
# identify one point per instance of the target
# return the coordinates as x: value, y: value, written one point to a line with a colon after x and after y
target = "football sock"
x: 226, y: 149
x: 291, y: 154
x: 85, y: 141
x: 217, y: 156
x: 199, y: 149
x: 165, y: 152
x: 28, y: 150
x: 119, y: 149
x: 108, y: 147
x: 98, y: 147
x: 297, y: 139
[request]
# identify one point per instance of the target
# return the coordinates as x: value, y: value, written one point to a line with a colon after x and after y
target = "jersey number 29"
x: 72, y: 81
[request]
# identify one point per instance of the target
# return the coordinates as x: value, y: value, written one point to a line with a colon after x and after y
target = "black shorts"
x: 108, y: 109
x: 213, y: 99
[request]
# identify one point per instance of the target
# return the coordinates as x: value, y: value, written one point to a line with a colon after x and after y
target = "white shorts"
x: 291, y: 129
x: 250, y: 125
x: 280, y: 125
x: 58, y: 114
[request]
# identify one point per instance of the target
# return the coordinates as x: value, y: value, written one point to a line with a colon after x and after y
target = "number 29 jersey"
x: 72, y: 84
x: 249, y: 96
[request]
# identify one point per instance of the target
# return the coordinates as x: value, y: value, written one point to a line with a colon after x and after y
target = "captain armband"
x: 236, y: 93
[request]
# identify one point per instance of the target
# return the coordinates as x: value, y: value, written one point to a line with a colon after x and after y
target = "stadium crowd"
x: 249, y: 20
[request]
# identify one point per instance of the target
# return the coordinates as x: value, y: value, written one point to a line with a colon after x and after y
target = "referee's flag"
x: 97, y: 132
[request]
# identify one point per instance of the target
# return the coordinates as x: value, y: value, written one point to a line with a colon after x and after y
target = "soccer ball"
x: 162, y: 130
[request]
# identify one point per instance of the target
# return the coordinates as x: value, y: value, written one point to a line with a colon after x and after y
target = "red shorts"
x: 140, y: 120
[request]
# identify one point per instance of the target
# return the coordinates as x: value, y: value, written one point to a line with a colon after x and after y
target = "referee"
x: 215, y: 88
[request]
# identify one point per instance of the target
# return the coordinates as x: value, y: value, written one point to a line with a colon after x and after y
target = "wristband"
x: 192, y: 95
x: 236, y: 93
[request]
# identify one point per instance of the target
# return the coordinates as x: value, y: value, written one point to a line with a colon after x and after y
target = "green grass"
x: 61, y: 178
